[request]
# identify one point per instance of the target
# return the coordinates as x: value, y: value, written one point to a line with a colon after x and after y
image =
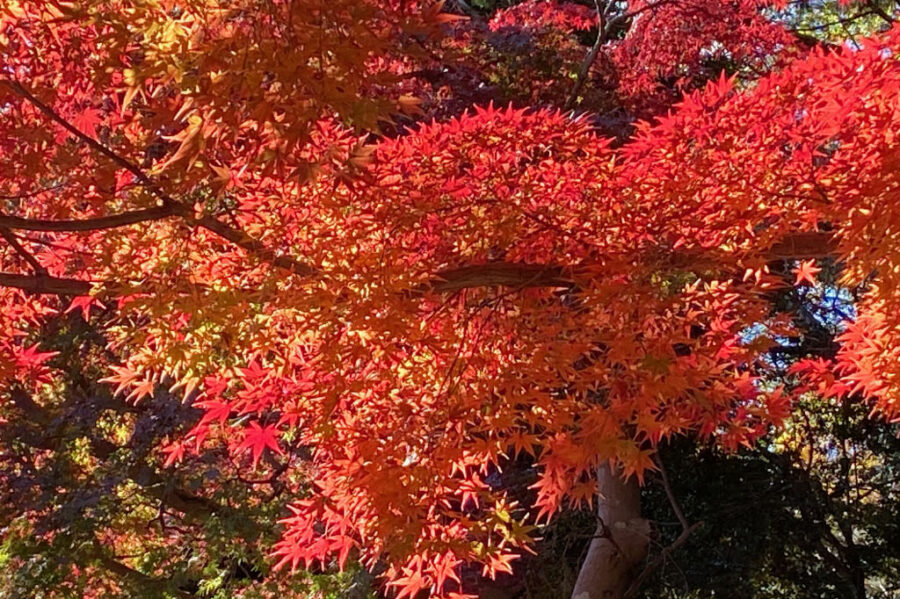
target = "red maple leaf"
x: 30, y: 357
x: 215, y: 410
x: 84, y: 303
x: 87, y: 120
x: 258, y: 438
x: 174, y: 453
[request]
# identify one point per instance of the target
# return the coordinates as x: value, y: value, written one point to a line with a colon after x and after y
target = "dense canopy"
x: 384, y: 264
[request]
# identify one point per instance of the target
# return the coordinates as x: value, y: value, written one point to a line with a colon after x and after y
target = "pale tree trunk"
x: 620, y: 543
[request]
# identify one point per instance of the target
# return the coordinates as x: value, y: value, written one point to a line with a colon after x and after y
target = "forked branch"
x: 170, y: 206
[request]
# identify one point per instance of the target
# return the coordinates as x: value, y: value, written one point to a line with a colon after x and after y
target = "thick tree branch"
x: 807, y: 245
x: 255, y: 247
x: 492, y: 274
x: 141, y: 580
x: 88, y: 224
x: 45, y: 284
x: 500, y: 274
x: 509, y: 274
x: 134, y: 577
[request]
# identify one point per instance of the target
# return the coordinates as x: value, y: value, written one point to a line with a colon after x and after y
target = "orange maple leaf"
x: 806, y: 272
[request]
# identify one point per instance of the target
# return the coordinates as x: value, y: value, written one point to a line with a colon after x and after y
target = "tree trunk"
x: 620, y: 543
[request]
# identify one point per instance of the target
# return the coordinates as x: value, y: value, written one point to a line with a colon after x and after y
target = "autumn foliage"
x: 391, y: 318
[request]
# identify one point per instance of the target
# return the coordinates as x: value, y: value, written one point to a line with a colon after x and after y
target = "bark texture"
x: 620, y: 543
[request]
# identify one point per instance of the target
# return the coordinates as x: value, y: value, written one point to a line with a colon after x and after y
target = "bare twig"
x: 686, y: 530
x: 30, y: 194
x: 466, y: 8
x: 641, y: 10
x: 834, y: 23
x: 588, y: 62
x: 605, y: 25
x: 673, y: 501
x: 660, y: 560
x: 87, y: 139
x: 878, y: 10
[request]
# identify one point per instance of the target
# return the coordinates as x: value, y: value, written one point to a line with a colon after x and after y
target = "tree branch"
x: 605, y: 25
x: 492, y: 274
x: 255, y: 247
x: 138, y: 579
x: 834, y: 23
x: 500, y: 274
x: 588, y: 62
x: 670, y: 494
x: 45, y: 284
x: 175, y: 208
x: 686, y: 531
x: 812, y: 244
x: 46, y: 435
x: 30, y: 194
x: 882, y: 14
x: 88, y: 224
x: 641, y: 10
x: 36, y: 266
x: 660, y: 560
x: 87, y: 139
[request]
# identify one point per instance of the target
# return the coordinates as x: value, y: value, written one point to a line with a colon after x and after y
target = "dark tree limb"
x: 501, y: 274
x: 141, y: 580
x: 602, y: 33
x: 195, y: 508
x: 89, y: 224
x: 491, y: 274
x: 882, y: 14
x: 45, y: 284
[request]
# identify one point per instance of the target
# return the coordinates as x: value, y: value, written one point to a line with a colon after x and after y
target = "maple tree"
x: 385, y: 318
